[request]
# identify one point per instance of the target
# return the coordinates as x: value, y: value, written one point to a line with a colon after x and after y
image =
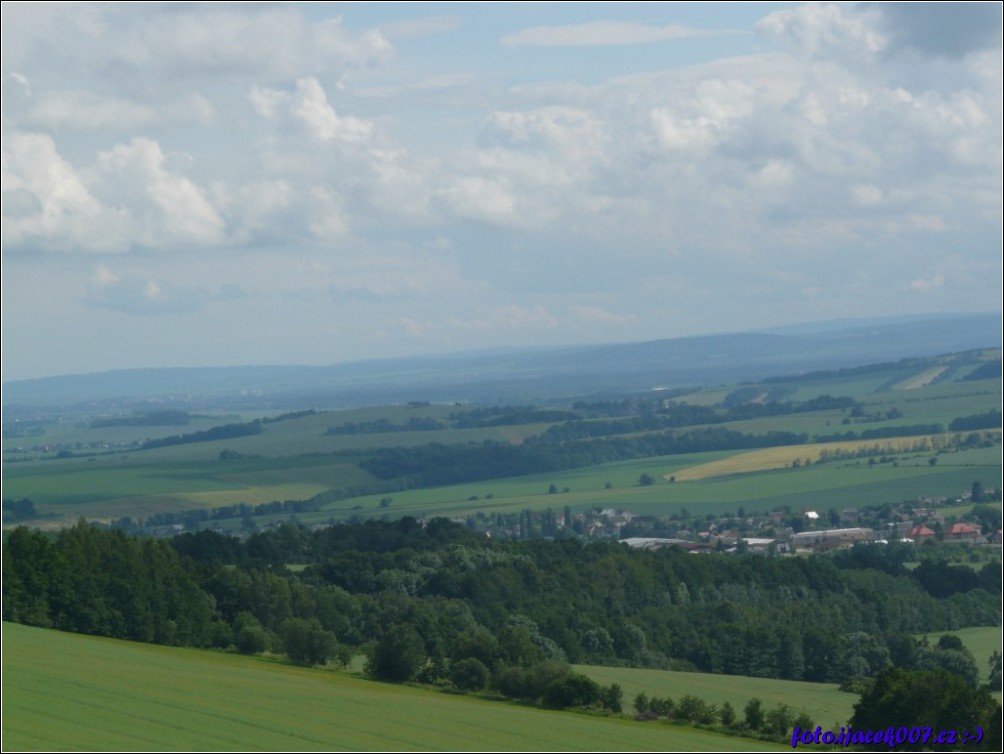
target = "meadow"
x: 717, y: 482
x: 295, y: 459
x: 66, y: 692
x: 981, y: 641
x: 825, y: 703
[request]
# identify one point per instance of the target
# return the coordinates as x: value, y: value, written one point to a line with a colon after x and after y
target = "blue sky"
x: 216, y: 184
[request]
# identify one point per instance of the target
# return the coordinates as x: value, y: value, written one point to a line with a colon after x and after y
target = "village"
x: 779, y: 532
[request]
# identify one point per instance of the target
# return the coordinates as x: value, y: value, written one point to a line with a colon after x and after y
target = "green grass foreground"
x: 68, y: 692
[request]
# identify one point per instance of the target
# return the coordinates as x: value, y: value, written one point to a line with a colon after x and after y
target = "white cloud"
x: 266, y: 101
x: 603, y: 33
x: 137, y: 293
x: 866, y: 195
x: 828, y: 30
x: 483, y: 199
x: 166, y: 208
x: 310, y: 105
x: 327, y: 218
x: 922, y: 284
x: 592, y: 314
x: 56, y: 110
x: 47, y: 204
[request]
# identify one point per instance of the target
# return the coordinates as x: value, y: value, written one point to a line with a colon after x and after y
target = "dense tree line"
x: 437, y: 464
x: 445, y: 597
x: 414, y: 424
x: 988, y: 420
x: 19, y: 510
x: 911, y: 430
x: 919, y: 705
x: 224, y: 432
x: 674, y: 415
x: 987, y: 371
x: 503, y: 416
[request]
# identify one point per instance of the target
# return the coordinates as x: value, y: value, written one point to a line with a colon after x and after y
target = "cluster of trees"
x: 414, y: 424
x: 988, y: 420
x: 929, y: 702
x: 912, y: 430
x: 517, y: 663
x: 502, y: 416
x: 812, y: 619
x: 676, y: 415
x: 436, y: 464
x: 986, y: 371
x: 755, y: 718
x: 224, y: 432
x: 18, y: 510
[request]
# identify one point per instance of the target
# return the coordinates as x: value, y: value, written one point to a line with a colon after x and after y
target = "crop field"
x: 294, y: 459
x: 824, y: 702
x: 120, y: 486
x: 718, y: 482
x: 783, y: 457
x: 837, y: 485
x: 65, y: 692
x: 924, y: 378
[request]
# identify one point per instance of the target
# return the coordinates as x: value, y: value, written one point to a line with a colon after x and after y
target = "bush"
x: 306, y: 642
x: 574, y: 690
x: 469, y: 674
x: 398, y: 655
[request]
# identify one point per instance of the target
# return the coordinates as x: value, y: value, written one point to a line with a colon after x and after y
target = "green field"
x: 294, y: 459
x: 134, y: 485
x: 66, y: 692
x: 824, y: 702
x: 834, y: 485
x: 981, y: 641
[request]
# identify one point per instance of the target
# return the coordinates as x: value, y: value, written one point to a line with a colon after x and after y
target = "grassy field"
x: 834, y: 485
x: 133, y: 485
x: 824, y: 702
x: 115, y: 487
x: 65, y: 692
x: 981, y: 641
x: 767, y: 459
x: 295, y: 459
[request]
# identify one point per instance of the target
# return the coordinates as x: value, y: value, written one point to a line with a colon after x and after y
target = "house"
x: 963, y: 533
x: 828, y: 539
x: 920, y: 533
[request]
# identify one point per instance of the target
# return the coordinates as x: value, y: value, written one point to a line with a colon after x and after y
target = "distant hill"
x: 524, y: 374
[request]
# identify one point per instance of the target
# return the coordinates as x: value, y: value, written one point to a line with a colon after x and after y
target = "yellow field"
x: 924, y: 378
x: 783, y: 457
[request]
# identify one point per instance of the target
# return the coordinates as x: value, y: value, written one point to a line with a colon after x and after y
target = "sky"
x: 278, y: 183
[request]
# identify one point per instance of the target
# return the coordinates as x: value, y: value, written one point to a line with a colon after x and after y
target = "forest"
x: 441, y: 595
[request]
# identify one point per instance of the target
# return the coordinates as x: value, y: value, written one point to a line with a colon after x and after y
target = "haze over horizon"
x: 216, y: 184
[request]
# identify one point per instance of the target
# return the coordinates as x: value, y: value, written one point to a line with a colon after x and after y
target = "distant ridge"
x: 527, y: 374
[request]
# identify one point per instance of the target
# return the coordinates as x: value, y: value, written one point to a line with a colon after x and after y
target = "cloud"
x: 921, y: 284
x: 57, y: 110
x: 592, y: 314
x: 308, y: 105
x: 139, y: 294
x: 827, y: 30
x: 130, y: 197
x: 942, y: 29
x: 604, y: 33
x: 272, y: 41
x: 47, y: 204
x: 166, y: 208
